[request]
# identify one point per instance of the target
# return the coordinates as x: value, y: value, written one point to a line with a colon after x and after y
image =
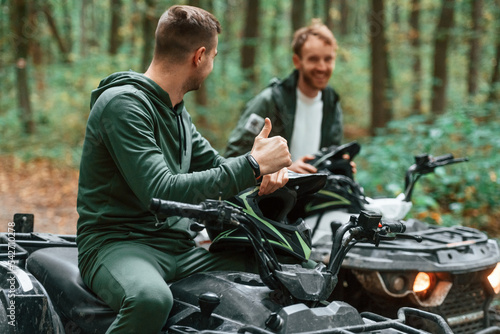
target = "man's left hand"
x: 272, y: 182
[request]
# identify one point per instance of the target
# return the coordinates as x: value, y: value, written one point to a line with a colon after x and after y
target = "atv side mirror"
x: 24, y: 222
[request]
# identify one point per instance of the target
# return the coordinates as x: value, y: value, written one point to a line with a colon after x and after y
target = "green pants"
x: 132, y: 279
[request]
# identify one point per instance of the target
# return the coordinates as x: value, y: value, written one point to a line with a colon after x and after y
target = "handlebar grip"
x: 395, y: 227
x: 172, y: 208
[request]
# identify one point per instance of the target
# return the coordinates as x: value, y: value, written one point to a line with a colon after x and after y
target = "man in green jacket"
x: 139, y: 144
x: 303, y: 108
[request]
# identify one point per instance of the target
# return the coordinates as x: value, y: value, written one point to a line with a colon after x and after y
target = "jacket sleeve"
x: 337, y: 127
x: 250, y: 124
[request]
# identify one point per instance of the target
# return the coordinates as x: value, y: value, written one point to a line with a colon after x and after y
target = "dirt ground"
x: 41, y: 187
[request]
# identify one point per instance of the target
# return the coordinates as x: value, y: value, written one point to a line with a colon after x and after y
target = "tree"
x: 327, y: 5
x: 201, y: 95
x: 440, y: 72
x: 381, y: 112
x: 149, y: 21
x: 495, y: 77
x: 495, y: 73
x: 417, y: 63
x: 344, y: 17
x: 298, y: 14
x: 250, y: 38
x: 83, y: 29
x: 115, y: 39
x: 62, y: 45
x: 20, y: 32
x: 475, y: 47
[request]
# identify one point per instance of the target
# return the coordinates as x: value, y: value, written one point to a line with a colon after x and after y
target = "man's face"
x: 315, y: 65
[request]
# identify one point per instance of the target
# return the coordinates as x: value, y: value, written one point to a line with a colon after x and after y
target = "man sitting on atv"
x: 140, y: 143
x: 304, y: 109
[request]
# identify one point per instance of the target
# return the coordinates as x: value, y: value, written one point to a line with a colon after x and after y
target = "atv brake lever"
x: 417, y: 238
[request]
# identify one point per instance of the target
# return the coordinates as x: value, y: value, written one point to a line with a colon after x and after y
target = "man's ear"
x: 296, y: 60
x: 198, y: 55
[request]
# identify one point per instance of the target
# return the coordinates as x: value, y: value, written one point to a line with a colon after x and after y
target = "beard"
x: 314, y: 83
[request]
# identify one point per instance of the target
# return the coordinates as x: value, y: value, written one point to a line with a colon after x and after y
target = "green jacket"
x: 137, y: 147
x: 278, y: 101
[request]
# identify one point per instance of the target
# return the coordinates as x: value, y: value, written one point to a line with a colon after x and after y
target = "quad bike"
x: 42, y: 291
x: 452, y: 272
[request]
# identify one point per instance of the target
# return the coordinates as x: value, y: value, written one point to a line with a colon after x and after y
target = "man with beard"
x: 303, y: 108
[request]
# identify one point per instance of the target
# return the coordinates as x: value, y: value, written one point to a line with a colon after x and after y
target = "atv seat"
x: 81, y: 311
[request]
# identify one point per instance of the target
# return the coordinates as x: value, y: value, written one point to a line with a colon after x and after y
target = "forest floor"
x: 42, y: 187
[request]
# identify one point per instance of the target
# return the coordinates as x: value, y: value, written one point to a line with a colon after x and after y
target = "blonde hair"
x: 316, y: 28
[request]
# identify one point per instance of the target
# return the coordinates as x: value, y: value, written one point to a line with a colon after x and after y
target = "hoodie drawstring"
x: 182, y: 137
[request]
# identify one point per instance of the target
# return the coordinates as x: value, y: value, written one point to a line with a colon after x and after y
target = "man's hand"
x: 272, y: 182
x: 301, y: 166
x: 271, y: 153
x: 352, y: 163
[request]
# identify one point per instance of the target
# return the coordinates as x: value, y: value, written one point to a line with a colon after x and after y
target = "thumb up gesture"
x: 271, y: 153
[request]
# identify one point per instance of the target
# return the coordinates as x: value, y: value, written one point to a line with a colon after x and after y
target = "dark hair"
x: 316, y: 28
x: 184, y: 29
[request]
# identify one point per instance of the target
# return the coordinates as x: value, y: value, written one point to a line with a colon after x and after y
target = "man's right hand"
x: 271, y: 153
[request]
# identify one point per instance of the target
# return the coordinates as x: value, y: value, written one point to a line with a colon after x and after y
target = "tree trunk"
x: 134, y: 21
x: 494, y: 95
x: 149, y: 22
x: 298, y: 14
x: 67, y: 27
x: 47, y: 10
x: 115, y: 39
x: 344, y: 17
x: 21, y: 39
x: 475, y: 47
x: 417, y: 63
x: 440, y: 72
x: 36, y: 53
x: 83, y: 29
x: 328, y: 17
x: 200, y: 95
x: 381, y: 111
x: 250, y: 40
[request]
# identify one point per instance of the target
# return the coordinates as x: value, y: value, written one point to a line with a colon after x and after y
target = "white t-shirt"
x: 306, y: 135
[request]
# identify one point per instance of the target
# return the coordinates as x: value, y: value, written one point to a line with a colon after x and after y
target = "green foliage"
x: 466, y: 193
x: 60, y: 109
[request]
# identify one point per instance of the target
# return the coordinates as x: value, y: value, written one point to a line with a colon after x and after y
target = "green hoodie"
x: 138, y: 146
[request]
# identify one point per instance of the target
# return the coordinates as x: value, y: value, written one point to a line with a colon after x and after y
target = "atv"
x: 452, y: 271
x: 42, y: 291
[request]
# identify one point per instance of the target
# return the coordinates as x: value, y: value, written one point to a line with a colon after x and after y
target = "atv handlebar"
x: 425, y: 164
x: 171, y: 208
x: 215, y: 213
x: 367, y: 227
x: 394, y: 227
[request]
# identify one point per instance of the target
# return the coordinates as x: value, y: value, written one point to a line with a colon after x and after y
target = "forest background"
x: 414, y: 76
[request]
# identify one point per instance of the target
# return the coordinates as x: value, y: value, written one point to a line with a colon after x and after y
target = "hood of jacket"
x: 138, y: 80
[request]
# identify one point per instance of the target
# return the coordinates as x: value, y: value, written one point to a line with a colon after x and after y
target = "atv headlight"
x: 494, y: 279
x: 422, y: 282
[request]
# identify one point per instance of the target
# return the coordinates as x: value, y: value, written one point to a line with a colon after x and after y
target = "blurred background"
x: 414, y: 76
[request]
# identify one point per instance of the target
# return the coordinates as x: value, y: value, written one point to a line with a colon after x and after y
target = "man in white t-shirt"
x: 303, y: 108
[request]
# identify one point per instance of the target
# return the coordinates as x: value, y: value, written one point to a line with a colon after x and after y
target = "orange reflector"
x: 422, y: 282
x: 494, y: 279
